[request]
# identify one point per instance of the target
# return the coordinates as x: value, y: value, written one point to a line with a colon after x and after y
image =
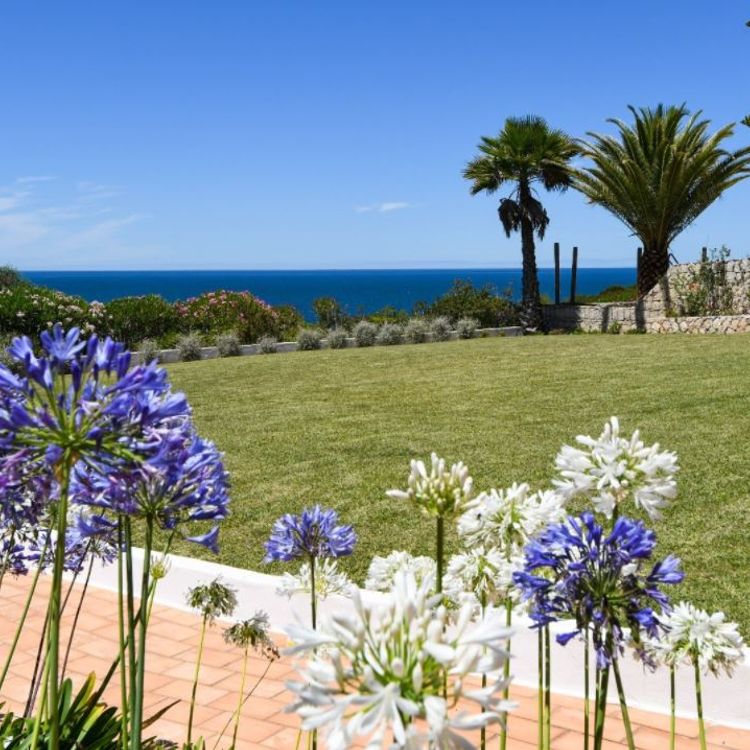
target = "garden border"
x: 169, y: 356
x: 725, y: 700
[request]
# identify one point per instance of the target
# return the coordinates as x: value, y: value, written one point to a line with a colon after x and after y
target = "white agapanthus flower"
x: 694, y: 634
x: 482, y: 577
x: 383, y: 571
x: 611, y: 468
x: 506, y: 519
x: 441, y: 491
x: 328, y: 580
x: 378, y: 673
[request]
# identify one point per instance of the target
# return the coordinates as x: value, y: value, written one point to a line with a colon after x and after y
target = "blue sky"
x: 330, y: 134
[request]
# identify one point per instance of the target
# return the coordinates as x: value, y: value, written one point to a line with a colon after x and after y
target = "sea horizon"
x: 359, y: 290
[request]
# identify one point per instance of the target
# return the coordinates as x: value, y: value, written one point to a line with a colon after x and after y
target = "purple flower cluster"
x: 76, y: 418
x: 604, y: 582
x: 312, y: 534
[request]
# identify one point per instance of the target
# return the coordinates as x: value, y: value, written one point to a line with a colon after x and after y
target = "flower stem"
x: 602, y: 685
x: 143, y: 626
x: 506, y: 677
x: 439, y: 553
x: 672, y: 707
x: 623, y: 705
x: 131, y: 619
x: 540, y: 690
x: 586, y: 711
x: 121, y: 639
x: 547, y: 690
x: 194, y: 692
x: 314, y: 615
x: 77, y: 614
x: 53, y: 647
x: 239, y: 705
x: 483, y: 730
x: 699, y: 704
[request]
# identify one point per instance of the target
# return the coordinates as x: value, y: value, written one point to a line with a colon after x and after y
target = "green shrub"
x: 704, y: 289
x: 29, y: 310
x: 267, y: 345
x: 228, y: 344
x: 390, y: 334
x: 288, y: 322
x: 309, y: 339
x: 466, y: 328
x: 329, y: 313
x: 365, y: 333
x: 441, y: 328
x: 133, y: 319
x: 189, y: 347
x: 222, y: 311
x: 464, y: 300
x: 337, y: 338
x: 389, y: 314
x: 10, y: 277
x: 416, y: 331
x: 149, y: 350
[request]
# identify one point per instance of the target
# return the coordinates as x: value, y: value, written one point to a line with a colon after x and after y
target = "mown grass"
x: 339, y: 428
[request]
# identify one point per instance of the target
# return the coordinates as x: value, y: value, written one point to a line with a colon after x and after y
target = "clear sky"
x: 330, y: 134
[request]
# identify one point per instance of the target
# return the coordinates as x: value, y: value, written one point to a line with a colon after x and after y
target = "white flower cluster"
x: 383, y: 571
x: 440, y: 492
x: 611, y: 468
x: 482, y: 577
x: 382, y: 670
x: 508, y: 518
x: 328, y: 580
x: 694, y: 634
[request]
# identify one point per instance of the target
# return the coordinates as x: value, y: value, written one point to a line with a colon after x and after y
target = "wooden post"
x: 704, y: 254
x: 557, y: 273
x: 573, y: 273
x: 638, y: 261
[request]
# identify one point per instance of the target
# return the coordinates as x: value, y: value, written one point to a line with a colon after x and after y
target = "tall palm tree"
x: 526, y: 152
x: 658, y: 175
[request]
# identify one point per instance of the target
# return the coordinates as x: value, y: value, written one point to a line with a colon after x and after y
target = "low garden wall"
x: 701, y: 324
x: 168, y: 356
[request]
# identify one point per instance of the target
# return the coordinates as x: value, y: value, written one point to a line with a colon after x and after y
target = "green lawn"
x: 339, y: 428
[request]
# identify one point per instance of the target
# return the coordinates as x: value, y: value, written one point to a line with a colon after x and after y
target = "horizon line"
x: 307, y: 270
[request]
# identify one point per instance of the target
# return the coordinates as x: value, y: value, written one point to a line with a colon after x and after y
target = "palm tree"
x: 658, y: 175
x: 526, y: 152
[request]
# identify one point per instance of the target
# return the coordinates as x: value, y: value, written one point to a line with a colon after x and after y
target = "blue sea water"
x: 359, y: 291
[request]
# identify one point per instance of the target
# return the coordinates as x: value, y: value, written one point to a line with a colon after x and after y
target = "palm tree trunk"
x: 654, y: 265
x: 531, y: 305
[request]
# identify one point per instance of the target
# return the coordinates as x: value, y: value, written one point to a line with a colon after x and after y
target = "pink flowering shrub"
x: 222, y: 311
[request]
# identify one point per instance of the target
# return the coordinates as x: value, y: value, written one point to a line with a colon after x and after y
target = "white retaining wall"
x: 726, y: 701
x: 168, y: 356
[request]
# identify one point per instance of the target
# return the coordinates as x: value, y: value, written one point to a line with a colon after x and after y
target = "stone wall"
x: 597, y: 318
x: 657, y: 311
x: 665, y: 297
x: 701, y: 324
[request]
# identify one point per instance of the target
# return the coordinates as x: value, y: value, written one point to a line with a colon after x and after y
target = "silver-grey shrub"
x: 365, y: 333
x: 416, y: 331
x: 149, y: 351
x: 390, y: 334
x: 228, y: 344
x: 337, y: 338
x: 309, y: 339
x: 440, y: 328
x: 267, y: 345
x: 189, y: 347
x: 466, y: 328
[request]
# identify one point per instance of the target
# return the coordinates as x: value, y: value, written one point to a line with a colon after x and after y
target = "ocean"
x: 359, y: 291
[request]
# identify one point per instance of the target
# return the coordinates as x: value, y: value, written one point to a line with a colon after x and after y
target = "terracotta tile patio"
x: 173, y: 640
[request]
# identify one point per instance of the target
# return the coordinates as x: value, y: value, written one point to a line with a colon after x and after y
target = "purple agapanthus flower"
x: 312, y: 534
x: 604, y: 582
x: 76, y: 408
